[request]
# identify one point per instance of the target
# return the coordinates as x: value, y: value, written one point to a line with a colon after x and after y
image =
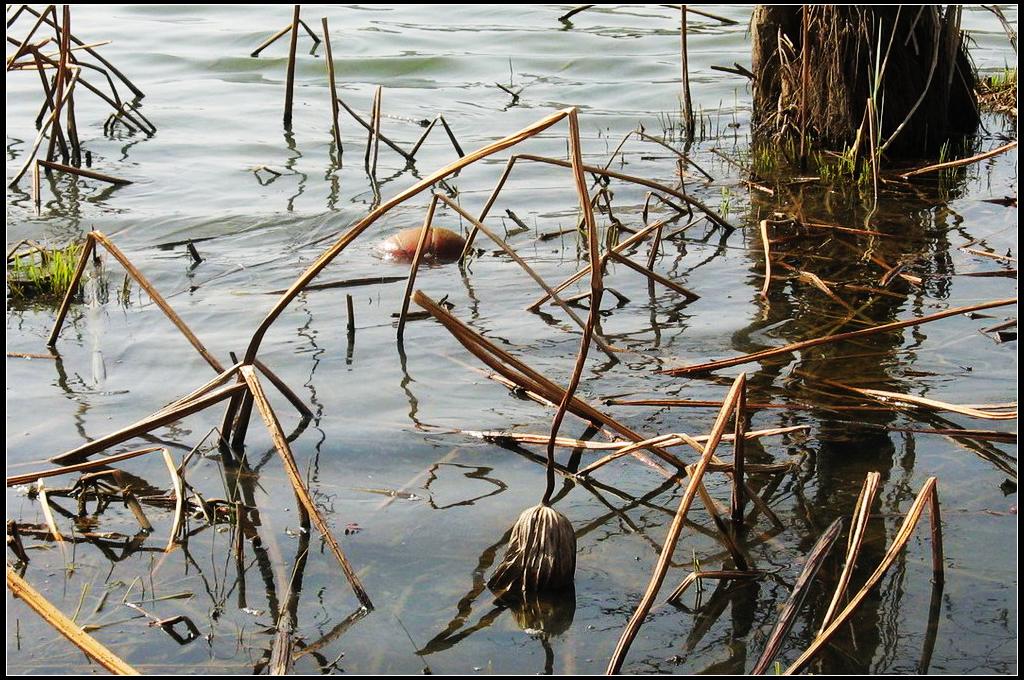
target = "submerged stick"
x: 765, y: 354
x: 658, y: 576
x: 94, y: 650
x: 281, y: 444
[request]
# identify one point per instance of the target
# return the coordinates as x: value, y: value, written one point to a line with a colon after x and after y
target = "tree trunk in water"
x: 910, y: 60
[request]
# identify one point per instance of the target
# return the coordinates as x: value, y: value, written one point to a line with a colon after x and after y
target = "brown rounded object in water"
x: 442, y: 245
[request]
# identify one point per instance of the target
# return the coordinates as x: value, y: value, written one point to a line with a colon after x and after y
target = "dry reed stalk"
x: 696, y: 403
x: 792, y: 608
x: 994, y: 256
x: 270, y: 41
x: 767, y: 259
x: 425, y: 233
x: 683, y: 156
x: 479, y: 226
x: 574, y: 11
x: 44, y: 503
x: 96, y: 55
x: 451, y: 136
x: 131, y: 502
x: 14, y: 542
x: 283, y: 388
x: 335, y: 129
x: 36, y: 193
x: 721, y: 574
x: 281, y: 444
x: 620, y: 247
x: 351, y: 323
x: 928, y: 494
x: 147, y: 424
x: 373, y: 143
x: 179, y: 500
x: 676, y: 439
x: 49, y: 9
x: 15, y: 480
x: 50, y: 121
x: 764, y: 354
x: 91, y: 174
x: 369, y: 128
x: 290, y: 83
x: 524, y: 376
x: 633, y: 627
x: 60, y: 80
x: 94, y: 650
x: 144, y: 283
x: 726, y: 536
x: 858, y: 525
x: 962, y: 409
x: 650, y: 184
x: 688, y: 121
x: 737, y: 500
x: 668, y: 283
x: 487, y: 207
x: 963, y: 161
x: 325, y: 258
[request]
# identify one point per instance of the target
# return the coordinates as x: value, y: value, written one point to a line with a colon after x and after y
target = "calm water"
x: 387, y: 421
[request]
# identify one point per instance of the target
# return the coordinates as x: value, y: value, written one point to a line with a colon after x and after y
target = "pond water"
x: 421, y: 509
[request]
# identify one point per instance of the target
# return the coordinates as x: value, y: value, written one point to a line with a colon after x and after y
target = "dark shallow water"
x: 426, y: 507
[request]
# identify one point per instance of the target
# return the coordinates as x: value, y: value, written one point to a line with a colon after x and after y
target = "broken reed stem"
x: 726, y: 536
x: 351, y: 324
x: 327, y: 256
x: 269, y: 41
x: 596, y: 290
x: 93, y: 53
x: 479, y: 226
x: 369, y: 128
x: 963, y: 161
x: 71, y: 170
x: 28, y: 477
x: 179, y: 500
x: 858, y: 526
x: 650, y: 184
x: 335, y: 129
x: 290, y: 84
x: 622, y: 246
x: 283, y: 388
x: 765, y: 354
x: 767, y: 259
x: 633, y: 627
x: 99, y: 238
x: 281, y: 444
x: 737, y: 500
x: 934, y: 404
x: 668, y: 283
x: 722, y: 574
x: 792, y: 608
x: 147, y: 424
x: 899, y: 542
x: 30, y: 157
x: 425, y: 233
x: 685, y: 76
x: 374, y: 141
x: 44, y: 503
x: 524, y: 376
x: 94, y: 650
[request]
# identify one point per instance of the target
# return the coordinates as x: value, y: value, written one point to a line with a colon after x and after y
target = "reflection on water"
x: 248, y: 575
